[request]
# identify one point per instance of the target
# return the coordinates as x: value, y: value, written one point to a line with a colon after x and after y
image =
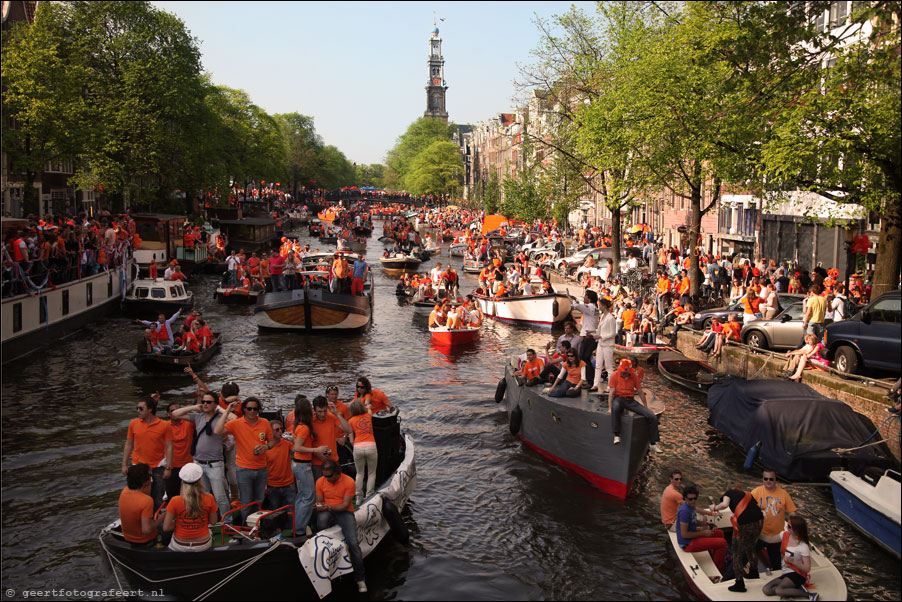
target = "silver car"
x: 784, y: 331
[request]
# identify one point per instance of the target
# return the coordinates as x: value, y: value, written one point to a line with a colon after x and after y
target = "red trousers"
x: 356, y: 286
x: 717, y: 545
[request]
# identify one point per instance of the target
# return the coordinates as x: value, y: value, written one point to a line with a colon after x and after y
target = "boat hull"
x: 443, y: 336
x: 873, y: 510
x: 576, y: 433
x: 539, y: 310
x: 236, y: 296
x: 313, y: 309
x: 152, y: 362
x: 399, y: 266
x: 690, y: 374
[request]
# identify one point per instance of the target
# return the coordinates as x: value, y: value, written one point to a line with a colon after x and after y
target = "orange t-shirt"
x: 378, y: 400
x: 302, y: 434
x: 533, y: 369
x: 187, y: 527
x: 625, y: 387
x: 684, y: 286
x: 574, y: 373
x: 629, y: 318
x: 334, y: 493
x: 133, y: 506
x: 238, y: 410
x: 278, y: 465
x: 325, y: 432
x: 751, y: 305
x: 247, y: 437
x: 732, y: 330
x: 343, y: 410
x: 663, y: 285
x: 362, y: 425
x: 182, y: 436
x: 150, y: 441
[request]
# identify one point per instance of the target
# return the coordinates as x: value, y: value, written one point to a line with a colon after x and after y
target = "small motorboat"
x: 400, y: 262
x: 691, y: 374
x: 871, y: 503
x: 160, y: 362
x: 538, y: 310
x: 706, y: 580
x: 472, y: 266
x: 352, y: 245
x: 793, y: 429
x: 643, y: 352
x: 150, y: 297
x: 459, y: 336
x: 328, y: 240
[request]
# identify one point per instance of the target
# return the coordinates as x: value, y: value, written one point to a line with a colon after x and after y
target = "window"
x: 109, y: 288
x: 158, y: 293
x: 887, y: 310
x: 42, y: 310
x: 141, y: 292
x: 66, y: 303
x: 820, y: 21
x: 17, y: 317
x: 838, y: 13
x: 795, y: 311
x: 89, y: 294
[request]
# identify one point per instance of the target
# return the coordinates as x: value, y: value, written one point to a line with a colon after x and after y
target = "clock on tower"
x: 435, y: 86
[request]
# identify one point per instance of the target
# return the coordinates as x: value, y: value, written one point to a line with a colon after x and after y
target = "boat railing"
x: 35, y: 275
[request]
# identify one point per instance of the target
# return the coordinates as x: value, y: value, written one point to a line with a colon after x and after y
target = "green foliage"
x: 491, y: 195
x: 303, y: 147
x: 437, y: 170
x: 335, y: 171
x: 370, y: 175
x: 419, y: 135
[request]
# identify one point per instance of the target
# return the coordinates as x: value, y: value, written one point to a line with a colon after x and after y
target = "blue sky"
x: 358, y: 68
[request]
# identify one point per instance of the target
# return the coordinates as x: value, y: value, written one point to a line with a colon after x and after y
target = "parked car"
x: 702, y: 319
x: 872, y: 338
x: 783, y: 331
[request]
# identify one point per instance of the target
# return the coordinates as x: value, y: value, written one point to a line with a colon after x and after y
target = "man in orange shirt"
x: 529, y: 372
x: 136, y: 507
x: 684, y: 288
x: 253, y: 437
x: 672, y: 498
x: 328, y: 427
x: 182, y: 437
x: 625, y: 384
x: 280, y: 489
x: 335, y: 505
x: 149, y: 441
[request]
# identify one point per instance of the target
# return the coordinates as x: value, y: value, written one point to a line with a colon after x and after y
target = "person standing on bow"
x: 589, y: 311
x: 606, y: 335
x: 149, y: 441
x: 747, y: 522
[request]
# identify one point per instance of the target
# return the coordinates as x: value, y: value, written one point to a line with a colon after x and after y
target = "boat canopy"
x: 798, y: 428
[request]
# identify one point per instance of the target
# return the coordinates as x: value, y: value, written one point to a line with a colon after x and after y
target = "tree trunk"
x: 695, y: 228
x: 616, y: 240
x: 30, y: 200
x: 889, y: 257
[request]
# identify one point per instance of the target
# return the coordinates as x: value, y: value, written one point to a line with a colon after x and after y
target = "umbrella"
x: 636, y: 228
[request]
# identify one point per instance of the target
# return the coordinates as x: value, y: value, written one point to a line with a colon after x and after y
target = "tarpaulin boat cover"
x: 797, y: 427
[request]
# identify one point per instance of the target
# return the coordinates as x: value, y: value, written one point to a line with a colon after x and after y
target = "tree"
x: 303, y: 148
x: 437, y: 170
x: 370, y: 175
x: 335, y: 171
x: 491, y: 194
x: 419, y: 135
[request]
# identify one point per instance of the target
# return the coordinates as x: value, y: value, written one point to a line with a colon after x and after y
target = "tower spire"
x: 436, y: 86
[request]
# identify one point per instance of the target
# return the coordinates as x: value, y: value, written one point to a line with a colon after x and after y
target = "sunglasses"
x: 691, y: 499
x: 140, y: 409
x: 251, y: 409
x: 207, y: 401
x: 770, y: 478
x: 329, y: 476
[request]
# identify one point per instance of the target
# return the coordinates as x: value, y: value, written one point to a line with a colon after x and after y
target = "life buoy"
x: 500, y: 390
x: 516, y: 420
x: 393, y: 516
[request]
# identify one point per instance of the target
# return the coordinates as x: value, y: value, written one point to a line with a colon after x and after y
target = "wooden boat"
x: 701, y: 572
x: 871, y: 503
x: 460, y: 336
x: 328, y: 240
x: 539, y: 310
x: 399, y: 263
x: 314, y: 307
x: 253, y: 565
x: 150, y: 297
x: 250, y: 233
x: 575, y: 432
x: 642, y: 352
x: 691, y: 374
x: 234, y: 295
x: 154, y: 362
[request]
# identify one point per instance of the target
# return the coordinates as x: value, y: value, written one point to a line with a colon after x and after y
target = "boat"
x: 299, y: 217
x: 539, y: 310
x: 691, y: 374
x: 701, y: 573
x: 236, y: 295
x: 154, y: 362
x: 150, y: 297
x: 460, y: 336
x: 458, y: 249
x: 641, y: 352
x: 793, y: 429
x: 871, y: 503
x: 575, y: 432
x: 45, y: 314
x: 399, y: 263
x: 254, y: 565
x: 472, y: 266
x: 315, y: 307
x: 328, y: 240
x: 352, y: 245
x: 250, y: 233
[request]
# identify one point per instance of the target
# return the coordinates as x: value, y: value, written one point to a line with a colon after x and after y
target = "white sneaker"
x: 616, y: 439
x: 361, y: 587
x: 656, y: 448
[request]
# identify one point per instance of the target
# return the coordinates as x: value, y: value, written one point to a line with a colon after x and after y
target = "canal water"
x: 489, y: 520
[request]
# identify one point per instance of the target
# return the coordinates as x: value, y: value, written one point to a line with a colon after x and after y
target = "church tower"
x: 436, y: 88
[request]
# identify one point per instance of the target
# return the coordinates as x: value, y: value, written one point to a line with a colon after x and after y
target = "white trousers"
x: 604, y: 360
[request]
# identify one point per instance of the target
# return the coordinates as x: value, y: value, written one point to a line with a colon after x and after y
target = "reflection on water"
x: 490, y: 519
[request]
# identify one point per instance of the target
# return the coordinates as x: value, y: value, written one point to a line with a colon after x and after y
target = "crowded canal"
x: 490, y: 519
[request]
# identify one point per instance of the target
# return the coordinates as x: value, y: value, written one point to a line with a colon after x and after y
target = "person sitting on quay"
x: 795, y: 563
x: 136, y: 508
x: 191, y: 513
x: 163, y: 329
x: 709, y: 337
x: 624, y: 385
x: 672, y: 498
x: 693, y: 540
x: 374, y: 400
x: 730, y: 332
x: 776, y: 505
x: 798, y: 359
x: 149, y: 441
x: 335, y: 505
x: 530, y: 371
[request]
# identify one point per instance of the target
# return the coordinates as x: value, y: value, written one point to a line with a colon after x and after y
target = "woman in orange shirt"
x: 191, y: 513
x: 366, y: 456
x: 373, y: 399
x: 571, y: 377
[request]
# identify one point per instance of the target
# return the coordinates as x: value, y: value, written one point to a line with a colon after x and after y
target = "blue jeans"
x: 233, y: 277
x: 278, y: 282
x: 565, y: 389
x: 280, y: 496
x: 305, y: 496
x: 628, y: 403
x: 215, y: 483
x: 348, y: 525
x: 251, y: 488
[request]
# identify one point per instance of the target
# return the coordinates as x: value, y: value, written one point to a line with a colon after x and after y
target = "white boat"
x: 150, y: 297
x: 701, y: 572
x: 541, y: 310
x: 871, y: 504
